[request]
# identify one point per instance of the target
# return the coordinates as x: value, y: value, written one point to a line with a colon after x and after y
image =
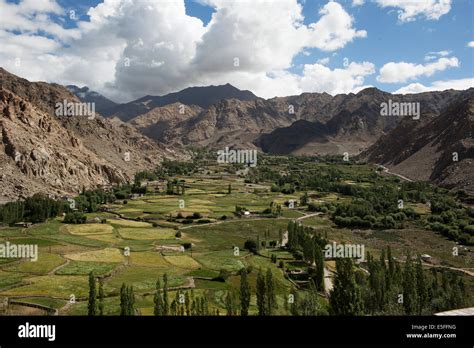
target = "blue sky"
x: 406, y: 47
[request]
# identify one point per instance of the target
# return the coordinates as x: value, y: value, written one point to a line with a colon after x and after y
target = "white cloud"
x: 460, y: 84
x: 323, y: 61
x: 169, y: 50
x: 470, y: 44
x: 357, y: 2
x: 319, y: 78
x: 410, y: 10
x: 402, y: 72
x: 433, y: 55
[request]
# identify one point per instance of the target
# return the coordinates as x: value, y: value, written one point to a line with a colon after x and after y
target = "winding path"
x: 386, y: 170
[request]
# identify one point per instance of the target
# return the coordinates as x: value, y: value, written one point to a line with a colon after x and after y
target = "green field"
x: 138, y: 243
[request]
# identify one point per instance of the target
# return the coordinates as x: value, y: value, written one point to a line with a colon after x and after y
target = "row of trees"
x: 391, y: 288
x: 184, y: 303
x: 37, y: 208
x: 307, y: 245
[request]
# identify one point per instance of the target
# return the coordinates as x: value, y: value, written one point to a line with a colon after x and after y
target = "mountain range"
x: 157, y: 127
x: 60, y: 155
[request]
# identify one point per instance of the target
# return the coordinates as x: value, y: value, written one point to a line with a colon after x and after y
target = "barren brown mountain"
x: 41, y: 152
x: 438, y: 149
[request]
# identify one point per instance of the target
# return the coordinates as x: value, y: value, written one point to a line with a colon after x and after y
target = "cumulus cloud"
x: 129, y: 48
x: 470, y: 44
x: 402, y: 72
x: 410, y: 10
x: 357, y: 3
x: 460, y: 84
x: 319, y: 78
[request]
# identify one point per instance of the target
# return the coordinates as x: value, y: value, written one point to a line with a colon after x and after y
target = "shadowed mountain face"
x: 197, y: 96
x: 343, y: 123
x: 223, y: 116
x: 102, y: 104
x: 349, y: 123
x: 438, y: 149
x: 43, y: 152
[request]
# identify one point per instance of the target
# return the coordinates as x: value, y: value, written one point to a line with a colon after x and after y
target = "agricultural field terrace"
x: 288, y: 236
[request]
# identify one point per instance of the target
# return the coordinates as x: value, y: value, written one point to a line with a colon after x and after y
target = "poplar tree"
x: 345, y: 298
x: 158, y: 299
x: 420, y: 287
x: 166, y: 306
x: 319, y: 260
x: 101, y: 297
x: 245, y: 293
x: 123, y: 300
x: 270, y: 293
x: 261, y: 294
x: 409, y: 287
x: 92, y: 305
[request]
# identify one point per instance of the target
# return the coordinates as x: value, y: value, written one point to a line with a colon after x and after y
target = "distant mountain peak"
x: 202, y: 96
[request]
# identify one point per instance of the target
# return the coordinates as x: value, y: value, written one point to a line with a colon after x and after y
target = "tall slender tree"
x: 123, y: 300
x: 421, y: 288
x: 271, y: 301
x: 319, y: 260
x: 92, y: 304
x: 245, y: 293
x: 158, y: 299
x: 166, y: 306
x: 261, y: 294
x: 345, y: 298
x: 101, y: 296
x: 409, y: 287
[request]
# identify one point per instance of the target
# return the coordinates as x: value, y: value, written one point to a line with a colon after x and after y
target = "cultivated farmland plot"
x: 200, y: 241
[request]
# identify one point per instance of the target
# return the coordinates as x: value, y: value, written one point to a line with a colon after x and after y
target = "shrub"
x: 75, y: 218
x: 250, y: 245
x: 197, y: 215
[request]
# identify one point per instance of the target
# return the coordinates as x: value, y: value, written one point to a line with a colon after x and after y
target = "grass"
x: 88, y: 229
x: 9, y: 278
x: 99, y: 247
x: 142, y: 279
x: 147, y: 233
x: 183, y: 261
x: 46, y: 262
x: 85, y: 267
x: 129, y: 223
x: 78, y: 240
x: 102, y: 255
x: 148, y: 259
x: 52, y: 286
x: 222, y: 260
x: 35, y: 241
x: 45, y: 301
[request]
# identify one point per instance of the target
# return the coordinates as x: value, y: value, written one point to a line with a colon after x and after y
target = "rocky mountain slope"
x: 197, y: 96
x: 43, y: 152
x: 438, y: 149
x: 102, y: 104
x: 348, y: 123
